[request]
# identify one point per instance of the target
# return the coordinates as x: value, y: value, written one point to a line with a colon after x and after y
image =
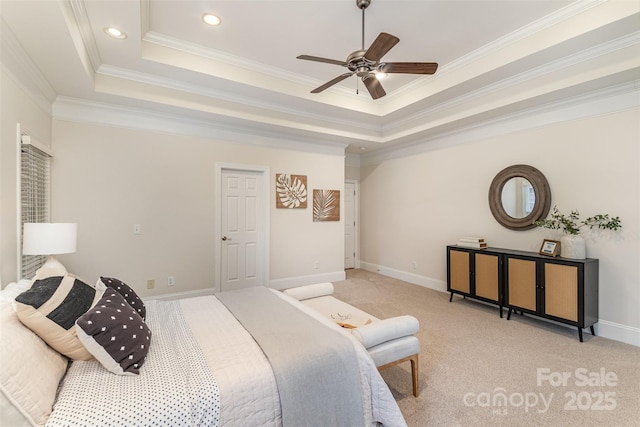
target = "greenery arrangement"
x: 571, y: 224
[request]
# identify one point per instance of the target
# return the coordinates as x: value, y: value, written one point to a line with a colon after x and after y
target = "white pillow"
x: 310, y: 291
x: 31, y: 370
x: 386, y: 330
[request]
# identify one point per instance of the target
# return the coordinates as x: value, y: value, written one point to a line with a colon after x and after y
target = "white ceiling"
x: 496, y: 57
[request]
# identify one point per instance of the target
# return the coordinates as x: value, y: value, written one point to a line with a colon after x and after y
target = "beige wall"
x: 352, y: 172
x: 413, y: 207
x: 15, y: 107
x: 107, y: 179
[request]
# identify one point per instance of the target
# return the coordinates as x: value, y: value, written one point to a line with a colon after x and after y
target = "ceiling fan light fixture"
x: 211, y: 19
x: 115, y: 33
x: 365, y: 63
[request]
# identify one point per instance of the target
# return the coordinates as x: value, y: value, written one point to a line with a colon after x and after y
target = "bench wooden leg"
x: 414, y: 371
x: 414, y: 374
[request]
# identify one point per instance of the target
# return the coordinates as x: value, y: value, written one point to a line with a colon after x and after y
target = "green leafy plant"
x: 571, y: 223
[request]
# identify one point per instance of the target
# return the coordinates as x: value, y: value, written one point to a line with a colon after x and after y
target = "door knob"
x: 225, y: 238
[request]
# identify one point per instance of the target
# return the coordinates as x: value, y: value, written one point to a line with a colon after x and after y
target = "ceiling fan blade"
x: 380, y: 46
x: 319, y: 59
x: 331, y: 82
x: 409, y: 67
x: 373, y: 86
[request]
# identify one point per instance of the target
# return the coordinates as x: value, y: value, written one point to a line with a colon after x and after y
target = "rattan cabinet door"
x: 487, y: 276
x: 459, y: 271
x: 561, y: 291
x: 522, y: 283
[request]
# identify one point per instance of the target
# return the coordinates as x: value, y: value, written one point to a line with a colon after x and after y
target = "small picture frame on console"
x: 550, y: 247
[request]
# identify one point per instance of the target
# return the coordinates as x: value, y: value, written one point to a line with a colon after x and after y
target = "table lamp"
x: 49, y: 239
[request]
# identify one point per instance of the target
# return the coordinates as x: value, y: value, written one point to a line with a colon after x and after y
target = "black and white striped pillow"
x: 50, y: 308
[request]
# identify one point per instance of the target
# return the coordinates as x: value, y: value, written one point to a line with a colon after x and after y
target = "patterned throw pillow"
x: 129, y: 294
x: 50, y: 308
x: 115, y: 334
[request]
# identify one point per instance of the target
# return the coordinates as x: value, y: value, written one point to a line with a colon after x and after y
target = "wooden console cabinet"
x: 559, y: 289
x: 475, y: 273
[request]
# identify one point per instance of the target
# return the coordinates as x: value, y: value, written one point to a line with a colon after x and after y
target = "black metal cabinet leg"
x: 593, y: 331
x: 580, y: 333
x: 509, y: 314
x: 451, y: 297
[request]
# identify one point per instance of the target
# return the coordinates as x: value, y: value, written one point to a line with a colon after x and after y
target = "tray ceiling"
x: 496, y: 57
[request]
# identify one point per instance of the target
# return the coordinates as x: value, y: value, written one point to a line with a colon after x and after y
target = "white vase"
x: 572, y: 246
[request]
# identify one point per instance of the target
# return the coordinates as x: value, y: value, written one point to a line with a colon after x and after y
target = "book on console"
x: 476, y: 245
x: 472, y: 239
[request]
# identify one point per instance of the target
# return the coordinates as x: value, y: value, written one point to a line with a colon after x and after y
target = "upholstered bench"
x: 388, y: 341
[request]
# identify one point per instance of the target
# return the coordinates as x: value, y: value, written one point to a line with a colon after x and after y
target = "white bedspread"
x: 174, y: 388
x: 233, y: 354
x: 378, y: 402
x: 248, y: 394
x: 248, y: 390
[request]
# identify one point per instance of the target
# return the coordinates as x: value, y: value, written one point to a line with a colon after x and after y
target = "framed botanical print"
x: 326, y: 205
x: 291, y: 191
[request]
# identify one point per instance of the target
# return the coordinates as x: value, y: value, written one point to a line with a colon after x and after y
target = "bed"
x: 231, y: 360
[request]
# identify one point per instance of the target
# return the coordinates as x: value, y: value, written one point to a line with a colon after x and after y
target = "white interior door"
x: 242, y: 229
x: 349, y: 225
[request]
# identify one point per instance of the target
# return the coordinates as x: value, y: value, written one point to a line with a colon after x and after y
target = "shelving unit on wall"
x: 559, y: 289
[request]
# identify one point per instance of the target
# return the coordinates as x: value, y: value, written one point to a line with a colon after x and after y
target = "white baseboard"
x: 618, y: 332
x: 181, y: 295
x: 416, y: 279
x: 604, y: 328
x: 292, y: 282
x: 289, y: 282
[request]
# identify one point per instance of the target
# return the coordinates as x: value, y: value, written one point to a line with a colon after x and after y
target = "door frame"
x: 356, y: 215
x: 264, y: 191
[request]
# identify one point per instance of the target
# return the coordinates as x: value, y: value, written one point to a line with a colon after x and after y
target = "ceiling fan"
x: 366, y: 63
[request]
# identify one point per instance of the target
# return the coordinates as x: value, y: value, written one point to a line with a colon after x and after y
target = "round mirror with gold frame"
x: 519, y: 195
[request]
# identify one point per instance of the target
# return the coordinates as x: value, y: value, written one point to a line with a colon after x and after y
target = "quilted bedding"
x: 232, y: 385
x: 175, y: 387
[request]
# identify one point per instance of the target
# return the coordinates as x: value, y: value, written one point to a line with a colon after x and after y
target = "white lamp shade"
x: 49, y: 238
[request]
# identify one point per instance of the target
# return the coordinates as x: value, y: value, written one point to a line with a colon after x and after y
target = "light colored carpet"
x: 470, y: 358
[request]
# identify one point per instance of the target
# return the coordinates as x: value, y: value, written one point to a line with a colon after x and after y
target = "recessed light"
x: 115, y: 33
x: 211, y: 19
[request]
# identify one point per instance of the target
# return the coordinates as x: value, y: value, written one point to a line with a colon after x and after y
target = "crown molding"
x: 145, y: 17
x: 360, y: 130
x: 530, y: 75
x: 19, y: 65
x: 570, y: 11
x: 246, y: 64
x: 613, y: 99
x: 562, y: 18
x: 82, y: 25
x: 289, y: 114
x: 225, y: 58
x: 236, y: 131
